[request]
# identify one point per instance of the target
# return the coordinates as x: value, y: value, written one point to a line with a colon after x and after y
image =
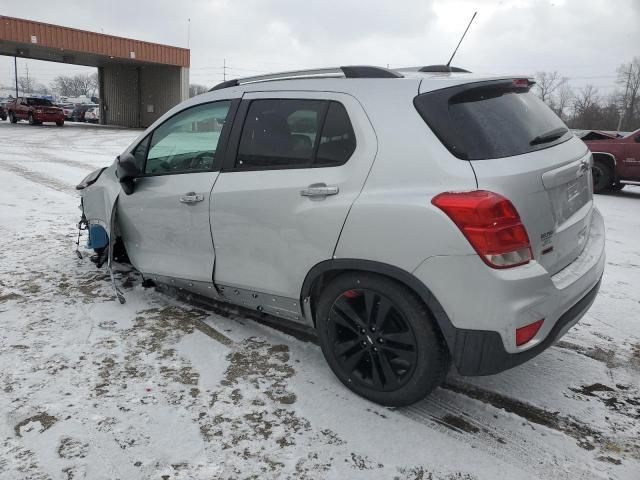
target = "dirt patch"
x: 603, y: 355
x: 420, y: 473
x: 591, y: 389
x: 10, y: 296
x: 623, y: 399
x: 70, y: 448
x: 456, y: 422
x: 585, y: 436
x: 46, y: 421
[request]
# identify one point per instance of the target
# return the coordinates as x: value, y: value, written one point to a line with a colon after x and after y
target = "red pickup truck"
x: 35, y: 110
x: 616, y: 161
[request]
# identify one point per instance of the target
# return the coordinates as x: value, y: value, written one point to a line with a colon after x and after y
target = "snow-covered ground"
x: 161, y: 389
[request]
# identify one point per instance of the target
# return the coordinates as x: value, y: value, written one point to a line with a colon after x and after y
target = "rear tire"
x: 380, y: 340
x: 12, y: 117
x: 602, y: 177
x: 60, y: 123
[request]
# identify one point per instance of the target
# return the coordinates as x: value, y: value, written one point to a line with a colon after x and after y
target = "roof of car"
x: 347, y: 77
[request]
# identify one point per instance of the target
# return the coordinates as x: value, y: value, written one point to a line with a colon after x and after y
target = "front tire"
x: 602, y: 177
x: 380, y: 340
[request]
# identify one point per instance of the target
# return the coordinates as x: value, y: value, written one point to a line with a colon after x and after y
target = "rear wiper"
x: 549, y: 136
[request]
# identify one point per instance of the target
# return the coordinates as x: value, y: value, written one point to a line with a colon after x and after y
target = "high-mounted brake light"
x: 491, y: 224
x: 521, y: 83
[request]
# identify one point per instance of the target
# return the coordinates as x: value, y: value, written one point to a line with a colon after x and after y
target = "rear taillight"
x: 491, y: 224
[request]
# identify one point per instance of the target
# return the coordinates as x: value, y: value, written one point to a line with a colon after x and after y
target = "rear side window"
x: 292, y: 133
x: 491, y: 120
x: 338, y: 141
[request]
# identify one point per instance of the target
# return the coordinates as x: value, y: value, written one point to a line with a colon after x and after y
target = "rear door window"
x: 280, y: 133
x: 491, y: 119
x: 293, y: 133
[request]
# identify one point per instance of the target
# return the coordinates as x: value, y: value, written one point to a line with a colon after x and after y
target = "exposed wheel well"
x: 324, y: 272
x: 608, y: 160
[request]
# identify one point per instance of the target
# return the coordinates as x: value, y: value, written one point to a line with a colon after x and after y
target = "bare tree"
x: 586, y: 106
x: 195, y: 89
x: 546, y: 84
x: 25, y: 85
x: 564, y: 97
x: 629, y: 80
x: 81, y: 84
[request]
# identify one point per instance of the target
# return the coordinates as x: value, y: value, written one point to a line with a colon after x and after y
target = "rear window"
x: 39, y: 102
x: 487, y: 120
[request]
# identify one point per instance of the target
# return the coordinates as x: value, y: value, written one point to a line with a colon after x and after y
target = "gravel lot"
x: 162, y: 389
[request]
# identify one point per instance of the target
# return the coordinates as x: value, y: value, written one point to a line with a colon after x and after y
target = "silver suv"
x: 415, y: 218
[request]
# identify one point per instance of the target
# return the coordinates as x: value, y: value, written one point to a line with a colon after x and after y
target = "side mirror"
x: 127, y: 170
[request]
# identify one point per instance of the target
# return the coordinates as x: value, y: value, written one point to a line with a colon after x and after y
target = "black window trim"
x: 229, y: 163
x: 221, y: 148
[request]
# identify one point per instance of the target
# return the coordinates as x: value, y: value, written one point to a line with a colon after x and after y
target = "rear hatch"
x: 520, y: 149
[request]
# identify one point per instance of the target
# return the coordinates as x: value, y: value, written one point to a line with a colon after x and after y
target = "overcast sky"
x: 584, y: 40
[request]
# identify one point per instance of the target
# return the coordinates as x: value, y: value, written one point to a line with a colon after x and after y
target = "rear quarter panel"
x: 393, y: 220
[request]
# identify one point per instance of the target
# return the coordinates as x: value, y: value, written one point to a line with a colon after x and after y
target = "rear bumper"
x: 48, y: 117
x: 483, y: 307
x: 479, y: 352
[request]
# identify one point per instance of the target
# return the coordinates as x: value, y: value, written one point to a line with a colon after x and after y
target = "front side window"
x: 188, y: 141
x: 288, y: 133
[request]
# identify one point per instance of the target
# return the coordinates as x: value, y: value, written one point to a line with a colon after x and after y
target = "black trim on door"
x: 233, y: 143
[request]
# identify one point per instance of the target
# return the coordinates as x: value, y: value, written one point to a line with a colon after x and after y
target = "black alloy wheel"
x: 380, y: 339
x: 371, y: 339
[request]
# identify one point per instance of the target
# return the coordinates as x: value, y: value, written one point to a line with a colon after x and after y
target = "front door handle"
x: 319, y: 190
x: 191, y: 197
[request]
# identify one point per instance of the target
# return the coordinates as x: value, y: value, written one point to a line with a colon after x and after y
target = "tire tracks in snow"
x: 37, y: 177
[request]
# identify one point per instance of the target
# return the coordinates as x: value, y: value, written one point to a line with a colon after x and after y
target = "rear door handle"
x: 319, y: 190
x: 191, y: 197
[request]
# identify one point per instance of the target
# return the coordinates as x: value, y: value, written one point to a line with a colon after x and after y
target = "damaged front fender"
x: 99, y: 198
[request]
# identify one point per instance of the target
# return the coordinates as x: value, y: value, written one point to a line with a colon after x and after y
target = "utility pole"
x: 15, y: 70
x: 224, y: 69
x: 626, y: 92
x: 188, y: 31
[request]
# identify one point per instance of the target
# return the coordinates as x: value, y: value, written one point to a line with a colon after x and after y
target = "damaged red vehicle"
x: 616, y: 161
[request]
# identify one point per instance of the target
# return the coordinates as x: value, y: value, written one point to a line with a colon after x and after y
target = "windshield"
x: 490, y: 120
x: 39, y: 102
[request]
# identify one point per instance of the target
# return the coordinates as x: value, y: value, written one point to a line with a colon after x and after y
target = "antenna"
x: 462, y: 38
x: 188, y: 31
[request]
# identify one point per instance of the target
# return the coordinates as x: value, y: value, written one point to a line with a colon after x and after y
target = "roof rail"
x: 363, y: 71
x: 442, y: 69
